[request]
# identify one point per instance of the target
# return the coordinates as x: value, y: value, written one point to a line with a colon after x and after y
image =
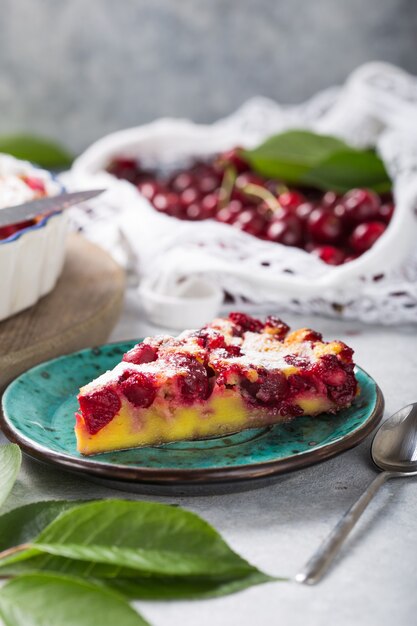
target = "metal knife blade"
x: 28, y: 210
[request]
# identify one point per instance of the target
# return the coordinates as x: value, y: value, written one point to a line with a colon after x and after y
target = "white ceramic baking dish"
x: 31, y: 259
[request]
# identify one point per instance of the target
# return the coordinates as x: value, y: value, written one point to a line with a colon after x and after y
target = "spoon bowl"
x: 394, y: 447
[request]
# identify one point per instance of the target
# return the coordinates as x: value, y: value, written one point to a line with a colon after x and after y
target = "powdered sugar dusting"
x: 161, y: 369
x: 257, y: 349
x: 262, y: 350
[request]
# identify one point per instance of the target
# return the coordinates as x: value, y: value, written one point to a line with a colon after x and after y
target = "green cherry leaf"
x: 345, y: 170
x: 23, y: 524
x: 140, y: 587
x: 151, y: 588
x: 304, y: 158
x: 290, y: 155
x: 45, y: 599
x: 123, y: 538
x: 43, y: 152
x: 165, y: 533
x: 10, y: 462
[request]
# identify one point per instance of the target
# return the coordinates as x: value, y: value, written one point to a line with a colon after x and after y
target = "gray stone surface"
x: 278, y: 527
x: 78, y: 69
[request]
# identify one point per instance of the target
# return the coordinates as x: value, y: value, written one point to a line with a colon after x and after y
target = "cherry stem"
x: 14, y: 550
x: 265, y: 195
x: 226, y: 186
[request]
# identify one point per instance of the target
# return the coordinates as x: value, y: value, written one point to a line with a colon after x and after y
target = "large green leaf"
x: 345, y: 170
x: 24, y: 523
x: 44, y: 152
x: 10, y: 461
x: 305, y: 158
x: 140, y: 587
x: 290, y: 155
x: 158, y: 588
x: 47, y: 600
x: 123, y: 538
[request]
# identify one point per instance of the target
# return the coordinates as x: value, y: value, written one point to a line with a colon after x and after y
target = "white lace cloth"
x: 185, y: 267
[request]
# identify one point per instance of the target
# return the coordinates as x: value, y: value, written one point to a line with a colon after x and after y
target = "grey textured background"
x: 78, y: 69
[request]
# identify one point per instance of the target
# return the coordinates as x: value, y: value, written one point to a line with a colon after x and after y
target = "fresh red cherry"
x: 291, y: 199
x: 361, y: 205
x: 230, y: 212
x: 350, y: 257
x: 210, y: 203
x: 202, y: 168
x: 329, y: 254
x: 330, y: 199
x: 149, y: 188
x: 235, y: 158
x: 194, y: 212
x: 241, y: 196
x: 182, y: 181
x: 341, y: 212
x: 125, y: 168
x: 160, y: 201
x: 207, y: 183
x: 281, y: 213
x: 265, y: 209
x: 166, y: 202
x: 288, y: 231
x: 272, y: 185
x: 365, y: 235
x: 323, y: 226
x: 189, y: 196
x: 251, y: 222
x: 249, y: 178
x: 386, y: 211
x: 303, y: 210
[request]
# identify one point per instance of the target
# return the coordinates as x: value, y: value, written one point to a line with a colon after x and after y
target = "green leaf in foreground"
x: 10, y: 461
x: 142, y: 536
x: 23, y: 524
x: 143, y: 550
x: 136, y: 586
x: 184, y: 588
x: 44, y: 152
x: 43, y: 600
x: 290, y: 155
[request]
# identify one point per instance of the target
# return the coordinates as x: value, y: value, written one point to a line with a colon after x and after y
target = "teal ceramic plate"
x: 38, y: 414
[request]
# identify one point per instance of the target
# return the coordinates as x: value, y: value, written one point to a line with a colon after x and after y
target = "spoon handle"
x: 317, y: 566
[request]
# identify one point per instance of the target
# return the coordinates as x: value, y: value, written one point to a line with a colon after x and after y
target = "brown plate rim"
x: 184, y: 477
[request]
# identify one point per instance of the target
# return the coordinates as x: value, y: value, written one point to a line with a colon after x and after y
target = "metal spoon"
x: 393, y: 450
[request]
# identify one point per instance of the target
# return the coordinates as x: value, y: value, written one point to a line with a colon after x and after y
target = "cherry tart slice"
x: 233, y: 374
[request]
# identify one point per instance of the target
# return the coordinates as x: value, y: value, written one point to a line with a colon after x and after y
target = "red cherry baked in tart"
x: 233, y: 374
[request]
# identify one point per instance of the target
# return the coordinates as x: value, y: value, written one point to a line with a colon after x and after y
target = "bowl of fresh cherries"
x: 336, y: 227
x: 296, y: 217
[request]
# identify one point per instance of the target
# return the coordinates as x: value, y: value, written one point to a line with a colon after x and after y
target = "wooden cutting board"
x: 81, y: 311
